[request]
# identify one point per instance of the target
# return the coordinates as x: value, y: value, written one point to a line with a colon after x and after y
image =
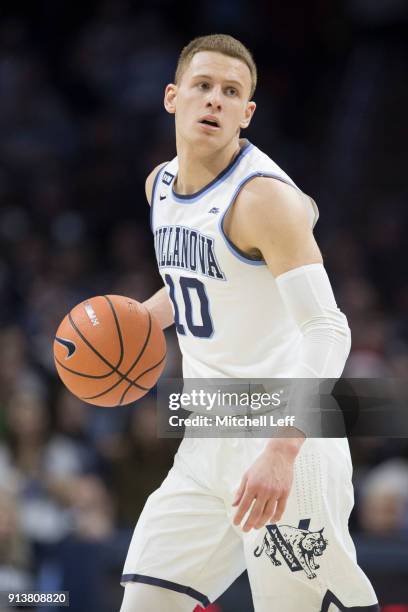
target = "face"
x: 210, y: 102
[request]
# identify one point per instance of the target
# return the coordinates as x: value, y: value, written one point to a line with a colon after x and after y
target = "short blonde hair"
x: 220, y: 43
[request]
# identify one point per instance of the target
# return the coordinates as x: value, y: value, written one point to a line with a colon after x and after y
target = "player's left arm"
x: 272, y: 219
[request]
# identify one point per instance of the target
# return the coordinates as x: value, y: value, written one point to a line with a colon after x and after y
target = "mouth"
x: 210, y: 122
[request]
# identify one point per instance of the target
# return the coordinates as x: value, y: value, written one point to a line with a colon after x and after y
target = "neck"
x: 197, y: 169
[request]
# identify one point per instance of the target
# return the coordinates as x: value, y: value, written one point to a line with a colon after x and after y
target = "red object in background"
x: 389, y: 608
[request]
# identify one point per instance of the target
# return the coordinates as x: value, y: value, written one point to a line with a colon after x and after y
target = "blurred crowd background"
x: 81, y: 125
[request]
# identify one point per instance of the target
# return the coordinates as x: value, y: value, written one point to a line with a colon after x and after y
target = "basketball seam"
x: 113, y: 368
x: 124, y: 377
x: 93, y: 349
x: 81, y: 373
x: 142, y: 374
x: 132, y: 383
x: 115, y: 316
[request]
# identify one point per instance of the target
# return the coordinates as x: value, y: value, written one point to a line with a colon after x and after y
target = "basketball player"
x: 246, y: 288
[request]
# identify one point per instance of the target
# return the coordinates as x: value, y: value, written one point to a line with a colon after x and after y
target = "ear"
x: 249, y: 111
x: 170, y: 95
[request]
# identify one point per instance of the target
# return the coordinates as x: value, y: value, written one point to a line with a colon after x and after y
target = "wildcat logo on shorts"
x: 297, y: 545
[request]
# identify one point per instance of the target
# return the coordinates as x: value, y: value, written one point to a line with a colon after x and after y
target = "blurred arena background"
x: 81, y: 125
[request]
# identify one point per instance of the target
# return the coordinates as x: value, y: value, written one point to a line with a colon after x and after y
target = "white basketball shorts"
x: 185, y: 540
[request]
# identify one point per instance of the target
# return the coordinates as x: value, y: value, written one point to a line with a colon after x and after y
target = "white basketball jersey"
x: 230, y: 318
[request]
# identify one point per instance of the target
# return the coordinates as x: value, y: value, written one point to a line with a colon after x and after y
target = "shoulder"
x: 266, y: 199
x: 271, y: 218
x: 150, y: 181
x: 268, y: 206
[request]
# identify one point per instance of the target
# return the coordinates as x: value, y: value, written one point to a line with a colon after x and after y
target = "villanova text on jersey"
x: 185, y: 248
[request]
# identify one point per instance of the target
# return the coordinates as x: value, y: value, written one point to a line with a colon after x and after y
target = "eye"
x: 203, y: 85
x: 231, y: 91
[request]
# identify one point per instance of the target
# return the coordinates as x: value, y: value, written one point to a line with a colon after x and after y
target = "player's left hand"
x: 266, y: 484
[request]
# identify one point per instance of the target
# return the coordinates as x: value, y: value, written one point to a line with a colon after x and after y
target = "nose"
x: 214, y: 98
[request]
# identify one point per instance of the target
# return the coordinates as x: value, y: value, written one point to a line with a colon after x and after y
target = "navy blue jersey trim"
x: 193, y: 197
x: 330, y: 598
x: 156, y: 179
x: 244, y: 257
x: 167, y: 584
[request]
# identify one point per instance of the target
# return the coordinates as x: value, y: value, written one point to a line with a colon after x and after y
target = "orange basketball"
x: 109, y: 350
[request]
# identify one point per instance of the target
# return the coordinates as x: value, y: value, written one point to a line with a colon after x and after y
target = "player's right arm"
x: 159, y: 304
